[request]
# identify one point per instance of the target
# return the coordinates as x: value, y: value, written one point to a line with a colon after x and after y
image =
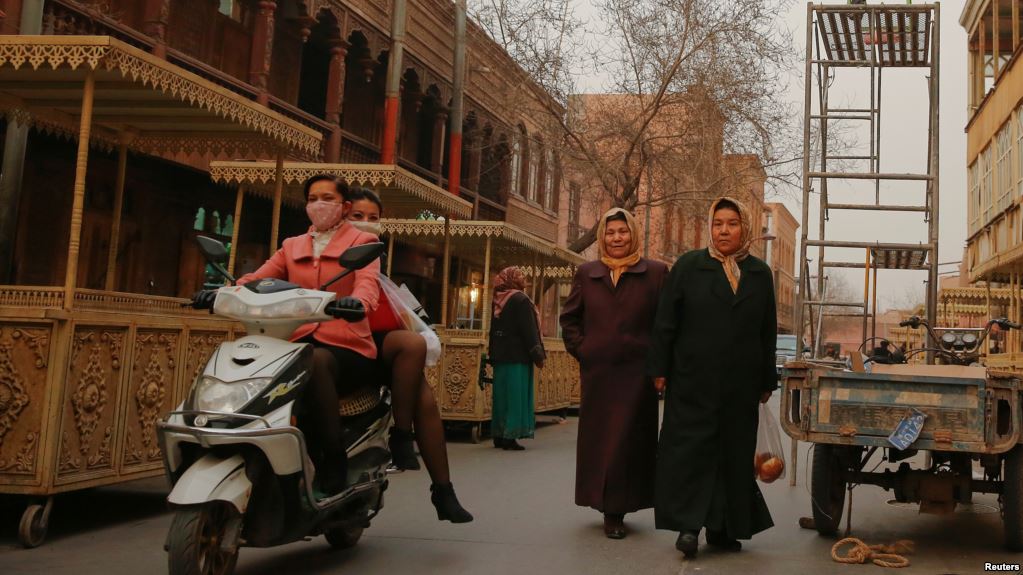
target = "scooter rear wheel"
x: 343, y: 538
x: 194, y: 544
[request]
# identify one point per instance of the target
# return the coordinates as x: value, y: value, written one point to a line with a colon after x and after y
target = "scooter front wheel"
x: 195, y: 545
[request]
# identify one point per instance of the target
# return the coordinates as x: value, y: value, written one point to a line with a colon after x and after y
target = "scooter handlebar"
x: 348, y: 309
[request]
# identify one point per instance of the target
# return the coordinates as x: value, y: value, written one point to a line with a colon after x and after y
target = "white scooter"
x: 234, y: 449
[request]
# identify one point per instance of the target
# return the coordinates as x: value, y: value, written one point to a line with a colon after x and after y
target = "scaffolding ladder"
x: 872, y: 38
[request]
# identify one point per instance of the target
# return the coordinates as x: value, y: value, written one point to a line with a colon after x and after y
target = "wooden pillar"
x: 487, y: 304
x: 239, y: 200
x: 78, y: 205
x: 335, y: 97
x: 390, y: 253
x: 458, y: 77
x: 446, y: 281
x: 154, y: 24
x: 1015, y: 25
x: 275, y: 225
x: 996, y: 38
x: 437, y: 147
x: 392, y: 90
x: 115, y: 227
x: 262, y: 49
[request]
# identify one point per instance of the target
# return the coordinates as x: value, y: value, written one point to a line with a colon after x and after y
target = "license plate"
x: 908, y: 429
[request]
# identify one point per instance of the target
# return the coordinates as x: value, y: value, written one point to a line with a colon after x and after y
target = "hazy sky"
x: 903, y: 149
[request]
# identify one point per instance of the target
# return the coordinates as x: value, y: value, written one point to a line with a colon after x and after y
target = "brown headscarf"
x: 510, y: 281
x: 618, y: 265
x: 731, y: 262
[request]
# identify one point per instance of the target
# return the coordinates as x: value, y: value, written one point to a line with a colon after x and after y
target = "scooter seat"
x: 359, y: 402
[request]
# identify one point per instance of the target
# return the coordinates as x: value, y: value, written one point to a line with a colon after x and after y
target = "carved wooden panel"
x: 154, y: 371
x: 90, y: 401
x: 460, y: 381
x: 201, y: 345
x: 24, y: 359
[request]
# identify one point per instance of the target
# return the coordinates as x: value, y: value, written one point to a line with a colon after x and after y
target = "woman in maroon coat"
x: 606, y: 324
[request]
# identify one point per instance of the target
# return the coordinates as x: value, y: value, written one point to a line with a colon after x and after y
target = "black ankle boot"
x: 499, y: 442
x: 688, y: 542
x: 403, y: 454
x: 442, y: 495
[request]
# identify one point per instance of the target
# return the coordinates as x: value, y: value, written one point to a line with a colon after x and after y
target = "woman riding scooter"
x: 403, y: 354
x: 340, y: 347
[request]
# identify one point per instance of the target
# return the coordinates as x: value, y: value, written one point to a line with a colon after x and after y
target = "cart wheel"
x: 827, y: 489
x: 343, y: 538
x: 1012, y: 499
x: 476, y: 432
x: 35, y: 521
x: 195, y: 537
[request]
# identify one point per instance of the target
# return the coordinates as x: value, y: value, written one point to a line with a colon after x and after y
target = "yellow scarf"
x: 618, y: 266
x: 731, y: 262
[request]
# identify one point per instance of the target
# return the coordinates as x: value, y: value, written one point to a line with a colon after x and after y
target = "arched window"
x: 532, y: 171
x: 543, y: 169
x: 550, y: 181
x: 517, y: 151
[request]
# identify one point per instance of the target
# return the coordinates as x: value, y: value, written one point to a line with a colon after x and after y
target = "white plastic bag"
x: 410, y: 315
x: 769, y: 460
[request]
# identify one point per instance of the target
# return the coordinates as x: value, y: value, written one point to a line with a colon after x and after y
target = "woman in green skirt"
x: 515, y: 347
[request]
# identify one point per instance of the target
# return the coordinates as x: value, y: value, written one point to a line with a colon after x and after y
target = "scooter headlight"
x: 230, y: 305
x: 211, y: 394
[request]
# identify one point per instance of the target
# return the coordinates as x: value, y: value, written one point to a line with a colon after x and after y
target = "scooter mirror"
x: 216, y: 254
x: 358, y: 257
x: 214, y: 250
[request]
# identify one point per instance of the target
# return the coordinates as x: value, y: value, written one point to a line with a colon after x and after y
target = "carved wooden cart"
x: 85, y: 373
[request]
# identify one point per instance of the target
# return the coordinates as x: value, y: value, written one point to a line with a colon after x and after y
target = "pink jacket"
x: 295, y: 263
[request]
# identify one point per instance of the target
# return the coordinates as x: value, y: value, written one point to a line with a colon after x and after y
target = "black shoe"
x: 442, y: 495
x: 722, y: 541
x: 333, y: 479
x: 614, y: 525
x: 512, y: 445
x: 688, y: 542
x: 403, y: 454
x: 499, y: 442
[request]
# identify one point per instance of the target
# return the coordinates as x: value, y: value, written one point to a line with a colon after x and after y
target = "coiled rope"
x: 881, y: 555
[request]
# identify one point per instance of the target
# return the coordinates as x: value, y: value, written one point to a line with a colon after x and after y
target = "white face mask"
x: 369, y: 227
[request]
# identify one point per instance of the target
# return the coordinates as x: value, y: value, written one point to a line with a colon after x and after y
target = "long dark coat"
x: 608, y: 329
x: 717, y: 350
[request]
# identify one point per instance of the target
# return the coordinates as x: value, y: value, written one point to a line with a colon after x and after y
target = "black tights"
x: 414, y: 402
x: 321, y: 400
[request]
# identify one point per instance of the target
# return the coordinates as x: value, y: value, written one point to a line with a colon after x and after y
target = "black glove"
x: 349, y: 303
x: 204, y: 299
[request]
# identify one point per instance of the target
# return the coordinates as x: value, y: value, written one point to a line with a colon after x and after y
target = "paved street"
x: 525, y: 523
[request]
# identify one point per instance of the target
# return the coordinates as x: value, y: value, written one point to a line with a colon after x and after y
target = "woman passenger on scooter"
x: 340, y: 347
x: 403, y: 353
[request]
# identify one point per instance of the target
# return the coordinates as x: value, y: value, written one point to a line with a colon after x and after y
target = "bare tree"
x: 684, y: 81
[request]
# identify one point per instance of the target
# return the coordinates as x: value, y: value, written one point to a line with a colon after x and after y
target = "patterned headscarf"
x: 731, y: 262
x: 618, y: 265
x: 510, y: 281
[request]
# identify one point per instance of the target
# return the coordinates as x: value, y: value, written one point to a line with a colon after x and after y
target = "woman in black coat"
x: 515, y: 347
x: 713, y: 351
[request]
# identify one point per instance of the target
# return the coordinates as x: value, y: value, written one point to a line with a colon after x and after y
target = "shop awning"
x: 509, y: 244
x: 404, y: 194
x: 155, y: 106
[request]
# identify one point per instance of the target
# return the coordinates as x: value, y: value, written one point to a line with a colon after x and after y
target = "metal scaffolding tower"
x: 874, y: 38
